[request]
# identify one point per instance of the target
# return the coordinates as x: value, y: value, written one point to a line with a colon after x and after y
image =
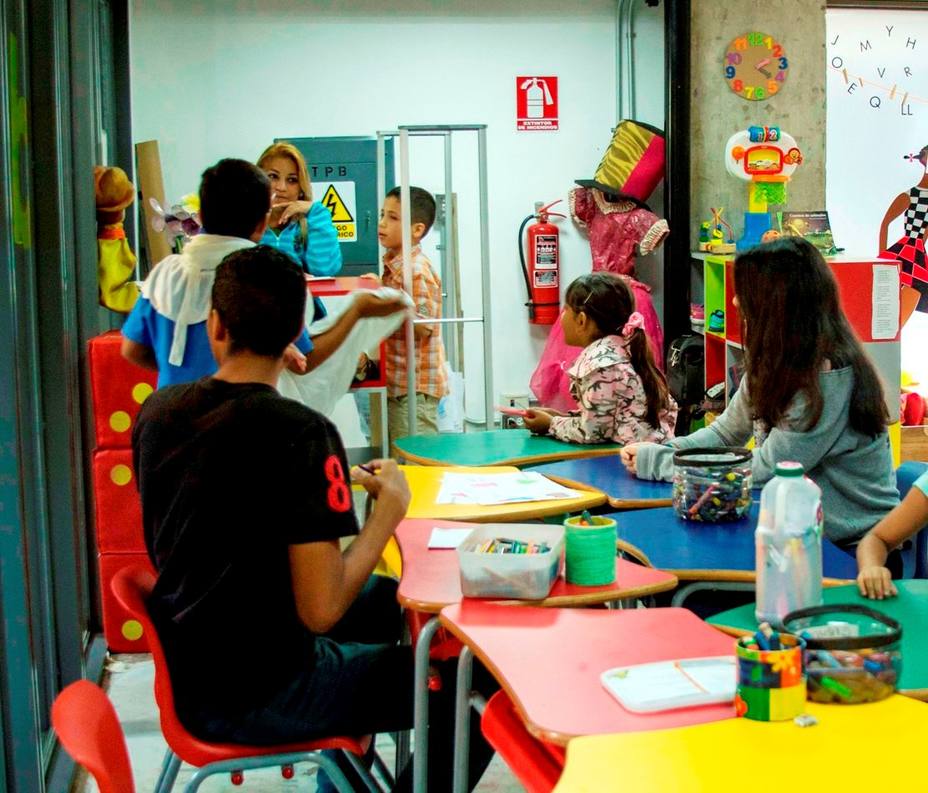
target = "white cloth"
x: 347, y: 421
x: 321, y: 388
x: 180, y: 285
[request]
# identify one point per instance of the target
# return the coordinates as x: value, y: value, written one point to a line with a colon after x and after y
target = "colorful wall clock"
x: 755, y: 66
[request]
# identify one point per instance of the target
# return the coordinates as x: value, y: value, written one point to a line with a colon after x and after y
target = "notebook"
x: 667, y: 685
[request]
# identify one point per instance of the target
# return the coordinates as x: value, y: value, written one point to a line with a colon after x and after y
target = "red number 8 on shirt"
x: 338, y: 494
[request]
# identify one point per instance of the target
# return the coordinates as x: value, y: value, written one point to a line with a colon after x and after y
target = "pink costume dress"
x: 616, y: 231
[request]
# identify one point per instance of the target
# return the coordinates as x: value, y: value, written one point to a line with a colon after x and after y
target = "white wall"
x: 869, y: 132
x: 213, y: 79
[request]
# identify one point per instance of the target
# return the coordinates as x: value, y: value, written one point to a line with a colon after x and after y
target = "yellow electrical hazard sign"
x: 333, y: 202
x: 339, y: 199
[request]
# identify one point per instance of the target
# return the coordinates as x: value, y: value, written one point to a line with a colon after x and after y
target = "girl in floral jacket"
x: 622, y: 395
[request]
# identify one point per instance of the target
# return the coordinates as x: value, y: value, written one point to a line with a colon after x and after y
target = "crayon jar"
x: 852, y: 653
x: 788, y: 545
x: 771, y: 682
x: 712, y: 485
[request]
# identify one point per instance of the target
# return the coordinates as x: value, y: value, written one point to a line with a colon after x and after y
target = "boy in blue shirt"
x: 166, y: 330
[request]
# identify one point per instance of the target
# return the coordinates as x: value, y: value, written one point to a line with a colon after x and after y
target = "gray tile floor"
x: 129, y: 684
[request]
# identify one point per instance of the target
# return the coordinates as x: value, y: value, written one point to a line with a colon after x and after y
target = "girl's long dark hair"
x: 791, y: 323
x: 608, y: 301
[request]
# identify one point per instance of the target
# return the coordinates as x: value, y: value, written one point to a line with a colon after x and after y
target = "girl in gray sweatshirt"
x: 809, y: 393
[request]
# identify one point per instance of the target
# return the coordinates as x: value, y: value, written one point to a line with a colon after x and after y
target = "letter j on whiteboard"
x: 536, y: 104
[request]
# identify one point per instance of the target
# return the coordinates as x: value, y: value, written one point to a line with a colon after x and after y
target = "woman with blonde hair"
x: 298, y: 226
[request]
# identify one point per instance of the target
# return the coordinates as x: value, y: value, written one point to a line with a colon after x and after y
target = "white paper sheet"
x: 485, y: 489
x: 447, y: 538
x: 884, y: 323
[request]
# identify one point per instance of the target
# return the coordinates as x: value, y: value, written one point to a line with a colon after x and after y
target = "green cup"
x: 590, y: 551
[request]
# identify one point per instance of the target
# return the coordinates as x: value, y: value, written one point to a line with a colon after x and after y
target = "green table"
x: 909, y: 608
x: 495, y: 447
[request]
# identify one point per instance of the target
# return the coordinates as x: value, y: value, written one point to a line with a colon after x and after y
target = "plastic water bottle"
x: 788, y: 543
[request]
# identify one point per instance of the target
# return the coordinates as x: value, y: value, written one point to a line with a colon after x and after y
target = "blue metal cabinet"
x: 343, y: 171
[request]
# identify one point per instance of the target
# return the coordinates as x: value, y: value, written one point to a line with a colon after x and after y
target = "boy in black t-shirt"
x: 245, y: 495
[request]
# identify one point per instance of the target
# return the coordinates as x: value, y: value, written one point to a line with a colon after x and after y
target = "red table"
x: 431, y: 578
x: 339, y: 285
x: 431, y: 581
x: 549, y: 661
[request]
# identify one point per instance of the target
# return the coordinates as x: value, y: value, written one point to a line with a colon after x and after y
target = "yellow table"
x: 425, y: 481
x: 853, y: 747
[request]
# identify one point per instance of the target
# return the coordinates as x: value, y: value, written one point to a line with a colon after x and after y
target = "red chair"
x: 536, y: 764
x: 89, y: 731
x: 132, y: 587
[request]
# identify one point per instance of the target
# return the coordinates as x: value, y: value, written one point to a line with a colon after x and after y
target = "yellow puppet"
x: 115, y: 260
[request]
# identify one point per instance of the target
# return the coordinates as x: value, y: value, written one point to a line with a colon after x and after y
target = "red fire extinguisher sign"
x: 536, y: 104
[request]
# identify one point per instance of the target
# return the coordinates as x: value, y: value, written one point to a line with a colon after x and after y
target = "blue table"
x: 623, y: 490
x: 711, y: 552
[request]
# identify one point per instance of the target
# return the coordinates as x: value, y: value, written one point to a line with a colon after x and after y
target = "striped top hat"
x: 633, y: 165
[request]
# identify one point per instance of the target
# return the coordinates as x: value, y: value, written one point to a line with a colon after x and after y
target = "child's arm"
x: 326, y: 581
x: 600, y: 405
x: 364, y: 305
x: 655, y: 461
x: 137, y: 346
x: 733, y: 427
x: 874, y: 580
x: 139, y: 354
x: 807, y: 446
x: 426, y: 296
x: 538, y: 420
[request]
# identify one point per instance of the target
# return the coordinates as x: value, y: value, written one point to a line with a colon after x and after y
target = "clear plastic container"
x: 713, y: 484
x: 509, y: 575
x: 788, y: 542
x: 852, y: 653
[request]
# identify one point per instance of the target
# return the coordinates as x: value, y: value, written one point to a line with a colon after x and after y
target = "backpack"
x: 685, y: 369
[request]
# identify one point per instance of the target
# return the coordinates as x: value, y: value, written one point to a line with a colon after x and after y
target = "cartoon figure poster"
x: 876, y: 183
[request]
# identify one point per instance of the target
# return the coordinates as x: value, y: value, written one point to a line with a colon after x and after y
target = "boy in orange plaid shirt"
x: 431, y: 380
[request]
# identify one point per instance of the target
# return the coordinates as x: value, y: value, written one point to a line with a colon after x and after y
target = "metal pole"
x: 381, y: 189
x: 447, y: 321
x: 485, y: 276
x: 450, y: 260
x: 406, y: 222
x: 459, y: 774
x: 630, y: 57
x: 381, y: 194
x: 619, y: 62
x: 677, y: 178
x: 420, y: 755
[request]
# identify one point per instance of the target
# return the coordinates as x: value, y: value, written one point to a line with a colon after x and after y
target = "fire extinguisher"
x: 541, y: 271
